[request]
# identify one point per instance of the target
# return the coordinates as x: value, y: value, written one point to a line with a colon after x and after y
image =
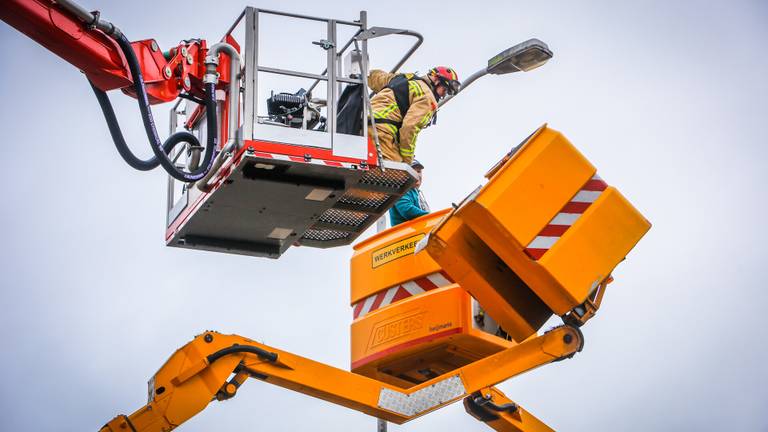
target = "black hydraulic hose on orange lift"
x: 160, y: 149
x: 488, y: 403
x: 234, y: 349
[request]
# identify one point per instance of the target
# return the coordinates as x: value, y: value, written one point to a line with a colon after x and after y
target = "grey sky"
x: 667, y: 99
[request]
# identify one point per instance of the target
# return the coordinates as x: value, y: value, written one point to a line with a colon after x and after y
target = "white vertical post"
x: 331, y: 96
x: 382, y: 224
x: 381, y: 425
x: 250, y: 82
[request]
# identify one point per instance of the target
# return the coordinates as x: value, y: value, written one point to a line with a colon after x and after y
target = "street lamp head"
x: 524, y: 57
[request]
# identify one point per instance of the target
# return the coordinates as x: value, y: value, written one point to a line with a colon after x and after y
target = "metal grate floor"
x: 324, y: 235
x: 363, y: 198
x: 344, y: 217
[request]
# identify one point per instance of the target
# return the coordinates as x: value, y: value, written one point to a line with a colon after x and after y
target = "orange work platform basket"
x: 546, y: 216
x: 411, y: 321
x: 539, y: 238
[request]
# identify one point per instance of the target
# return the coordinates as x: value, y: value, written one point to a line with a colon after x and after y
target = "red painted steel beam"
x: 91, y: 51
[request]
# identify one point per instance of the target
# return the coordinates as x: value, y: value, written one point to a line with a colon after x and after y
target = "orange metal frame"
x: 480, y: 245
x: 472, y: 243
x: 194, y: 376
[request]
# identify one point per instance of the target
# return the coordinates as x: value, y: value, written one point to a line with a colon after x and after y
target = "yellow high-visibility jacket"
x: 384, y: 106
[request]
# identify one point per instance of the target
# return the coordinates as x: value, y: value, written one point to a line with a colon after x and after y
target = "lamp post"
x: 523, y: 57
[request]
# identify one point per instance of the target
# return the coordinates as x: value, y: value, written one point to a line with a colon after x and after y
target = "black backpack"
x: 399, y: 86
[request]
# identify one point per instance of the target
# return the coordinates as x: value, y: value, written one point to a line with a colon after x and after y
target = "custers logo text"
x: 386, y: 332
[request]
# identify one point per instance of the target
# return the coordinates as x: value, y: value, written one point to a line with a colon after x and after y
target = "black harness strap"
x: 387, y: 121
x: 399, y: 86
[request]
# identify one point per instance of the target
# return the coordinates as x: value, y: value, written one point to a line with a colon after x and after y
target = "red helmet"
x: 446, y: 77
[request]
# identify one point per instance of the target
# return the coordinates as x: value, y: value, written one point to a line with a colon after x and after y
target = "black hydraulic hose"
x: 488, y: 403
x: 159, y: 148
x: 192, y: 98
x: 234, y: 349
x: 122, y: 146
x: 117, y: 134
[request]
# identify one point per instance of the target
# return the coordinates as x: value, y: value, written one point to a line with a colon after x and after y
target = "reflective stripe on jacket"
x: 384, y: 106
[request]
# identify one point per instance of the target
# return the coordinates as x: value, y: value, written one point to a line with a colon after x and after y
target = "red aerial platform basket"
x: 293, y: 176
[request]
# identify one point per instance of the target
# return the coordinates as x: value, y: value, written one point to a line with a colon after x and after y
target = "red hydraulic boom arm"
x: 93, y: 52
x: 305, y: 189
x: 93, y: 49
x: 98, y: 48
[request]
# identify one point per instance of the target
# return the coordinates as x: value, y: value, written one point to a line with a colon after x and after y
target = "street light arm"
x: 472, y: 78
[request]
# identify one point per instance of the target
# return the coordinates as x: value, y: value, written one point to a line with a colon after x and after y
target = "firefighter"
x: 405, y: 104
x: 412, y: 204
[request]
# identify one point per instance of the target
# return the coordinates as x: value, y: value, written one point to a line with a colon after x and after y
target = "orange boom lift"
x: 444, y: 307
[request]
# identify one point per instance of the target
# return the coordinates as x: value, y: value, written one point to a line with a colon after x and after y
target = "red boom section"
x: 100, y: 57
x: 91, y: 51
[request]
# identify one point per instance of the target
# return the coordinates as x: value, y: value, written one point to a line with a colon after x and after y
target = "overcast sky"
x: 667, y: 99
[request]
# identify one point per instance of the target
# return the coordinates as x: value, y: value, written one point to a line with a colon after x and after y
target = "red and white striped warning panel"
x: 301, y: 159
x: 566, y: 217
x: 400, y: 292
